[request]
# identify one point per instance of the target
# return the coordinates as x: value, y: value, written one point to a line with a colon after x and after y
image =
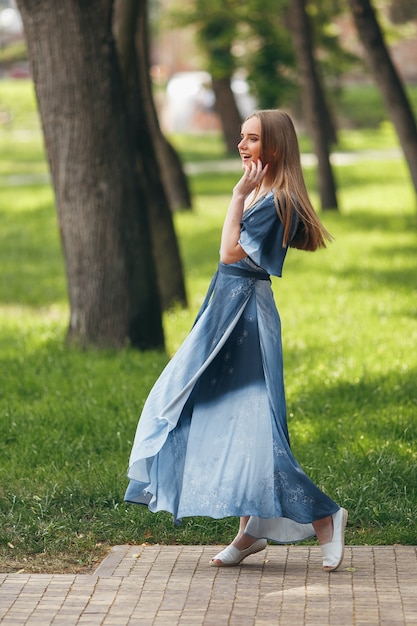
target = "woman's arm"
x: 230, y: 250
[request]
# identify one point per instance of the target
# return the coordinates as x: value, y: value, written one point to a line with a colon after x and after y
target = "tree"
x: 216, y: 30
x: 217, y: 35
x: 316, y: 112
x: 144, y: 133
x: 172, y: 173
x: 388, y: 80
x: 269, y: 56
x: 101, y: 207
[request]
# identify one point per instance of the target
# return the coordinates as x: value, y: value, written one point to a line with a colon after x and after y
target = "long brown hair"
x: 279, y: 148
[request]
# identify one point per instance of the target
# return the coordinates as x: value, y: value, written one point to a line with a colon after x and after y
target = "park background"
x: 349, y: 318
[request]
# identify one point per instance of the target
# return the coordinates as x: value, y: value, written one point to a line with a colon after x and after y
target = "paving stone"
x: 175, y: 585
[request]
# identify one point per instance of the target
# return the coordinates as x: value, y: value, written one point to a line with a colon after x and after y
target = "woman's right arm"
x: 230, y: 250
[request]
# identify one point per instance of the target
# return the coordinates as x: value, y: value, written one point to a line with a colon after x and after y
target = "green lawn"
x: 67, y: 418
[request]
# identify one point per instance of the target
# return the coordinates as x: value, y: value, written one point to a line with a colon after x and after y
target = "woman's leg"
x: 242, y: 540
x: 330, y: 532
x: 241, y: 546
x: 324, y: 529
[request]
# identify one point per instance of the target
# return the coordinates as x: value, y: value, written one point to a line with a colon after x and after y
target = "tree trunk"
x: 388, y: 80
x: 175, y: 181
x: 315, y: 107
x: 164, y: 242
x: 173, y: 174
x: 112, y: 289
x: 228, y: 112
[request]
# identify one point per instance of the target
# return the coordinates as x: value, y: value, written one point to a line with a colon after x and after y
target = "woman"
x: 213, y: 439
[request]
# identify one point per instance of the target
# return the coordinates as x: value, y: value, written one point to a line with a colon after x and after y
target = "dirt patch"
x: 53, y: 564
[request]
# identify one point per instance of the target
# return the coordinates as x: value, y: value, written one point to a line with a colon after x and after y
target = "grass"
x: 350, y: 344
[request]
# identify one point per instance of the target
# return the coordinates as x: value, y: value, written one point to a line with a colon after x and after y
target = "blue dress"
x: 212, y: 439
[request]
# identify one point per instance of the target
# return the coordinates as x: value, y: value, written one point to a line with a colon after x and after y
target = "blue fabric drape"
x: 212, y: 439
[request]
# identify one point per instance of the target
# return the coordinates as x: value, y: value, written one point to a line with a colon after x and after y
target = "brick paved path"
x: 170, y: 585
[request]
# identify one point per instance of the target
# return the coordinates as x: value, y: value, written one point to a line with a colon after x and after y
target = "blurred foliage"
x: 270, y: 60
x: 13, y: 53
x: 402, y: 11
x: 254, y: 37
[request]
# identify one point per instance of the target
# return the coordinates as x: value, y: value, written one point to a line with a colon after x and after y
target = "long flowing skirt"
x: 212, y: 439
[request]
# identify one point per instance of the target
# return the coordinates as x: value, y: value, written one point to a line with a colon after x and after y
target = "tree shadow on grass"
x: 370, y: 279
x: 392, y: 263
x: 378, y: 408
x: 357, y: 442
x: 366, y: 221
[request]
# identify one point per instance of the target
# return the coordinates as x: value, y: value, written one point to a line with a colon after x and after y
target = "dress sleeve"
x: 261, y: 236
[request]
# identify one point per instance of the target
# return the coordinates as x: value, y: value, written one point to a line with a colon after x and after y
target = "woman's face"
x: 250, y: 144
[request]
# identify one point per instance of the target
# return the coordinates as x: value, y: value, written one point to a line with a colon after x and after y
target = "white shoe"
x: 232, y: 556
x: 333, y: 551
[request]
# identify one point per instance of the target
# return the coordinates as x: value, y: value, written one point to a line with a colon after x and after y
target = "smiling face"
x: 250, y: 144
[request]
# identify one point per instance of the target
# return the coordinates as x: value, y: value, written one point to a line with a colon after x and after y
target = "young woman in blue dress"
x: 271, y: 162
x: 212, y: 439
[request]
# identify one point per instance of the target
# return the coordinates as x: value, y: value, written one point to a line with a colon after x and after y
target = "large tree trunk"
x: 388, y: 80
x: 315, y: 107
x: 228, y: 112
x: 164, y: 242
x: 106, y: 243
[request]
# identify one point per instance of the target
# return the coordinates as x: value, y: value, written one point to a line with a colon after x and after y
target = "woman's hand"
x: 252, y: 177
x: 230, y: 249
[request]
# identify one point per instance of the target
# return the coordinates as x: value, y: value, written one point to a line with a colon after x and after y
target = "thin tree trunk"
x: 175, y: 179
x: 388, y: 80
x: 228, y: 112
x: 173, y: 176
x: 314, y: 102
x: 164, y: 242
x: 112, y: 289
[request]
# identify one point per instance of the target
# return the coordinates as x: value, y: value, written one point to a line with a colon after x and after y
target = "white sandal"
x: 333, y: 551
x: 232, y: 556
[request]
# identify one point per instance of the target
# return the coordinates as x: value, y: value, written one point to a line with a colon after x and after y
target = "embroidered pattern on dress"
x: 244, y: 287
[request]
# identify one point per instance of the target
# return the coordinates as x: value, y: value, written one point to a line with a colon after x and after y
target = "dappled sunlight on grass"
x: 383, y: 138
x: 30, y: 253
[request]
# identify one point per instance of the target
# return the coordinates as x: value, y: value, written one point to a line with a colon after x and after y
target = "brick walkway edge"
x: 169, y: 585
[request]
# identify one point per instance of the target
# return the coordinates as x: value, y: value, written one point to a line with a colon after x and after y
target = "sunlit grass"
x: 349, y: 317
